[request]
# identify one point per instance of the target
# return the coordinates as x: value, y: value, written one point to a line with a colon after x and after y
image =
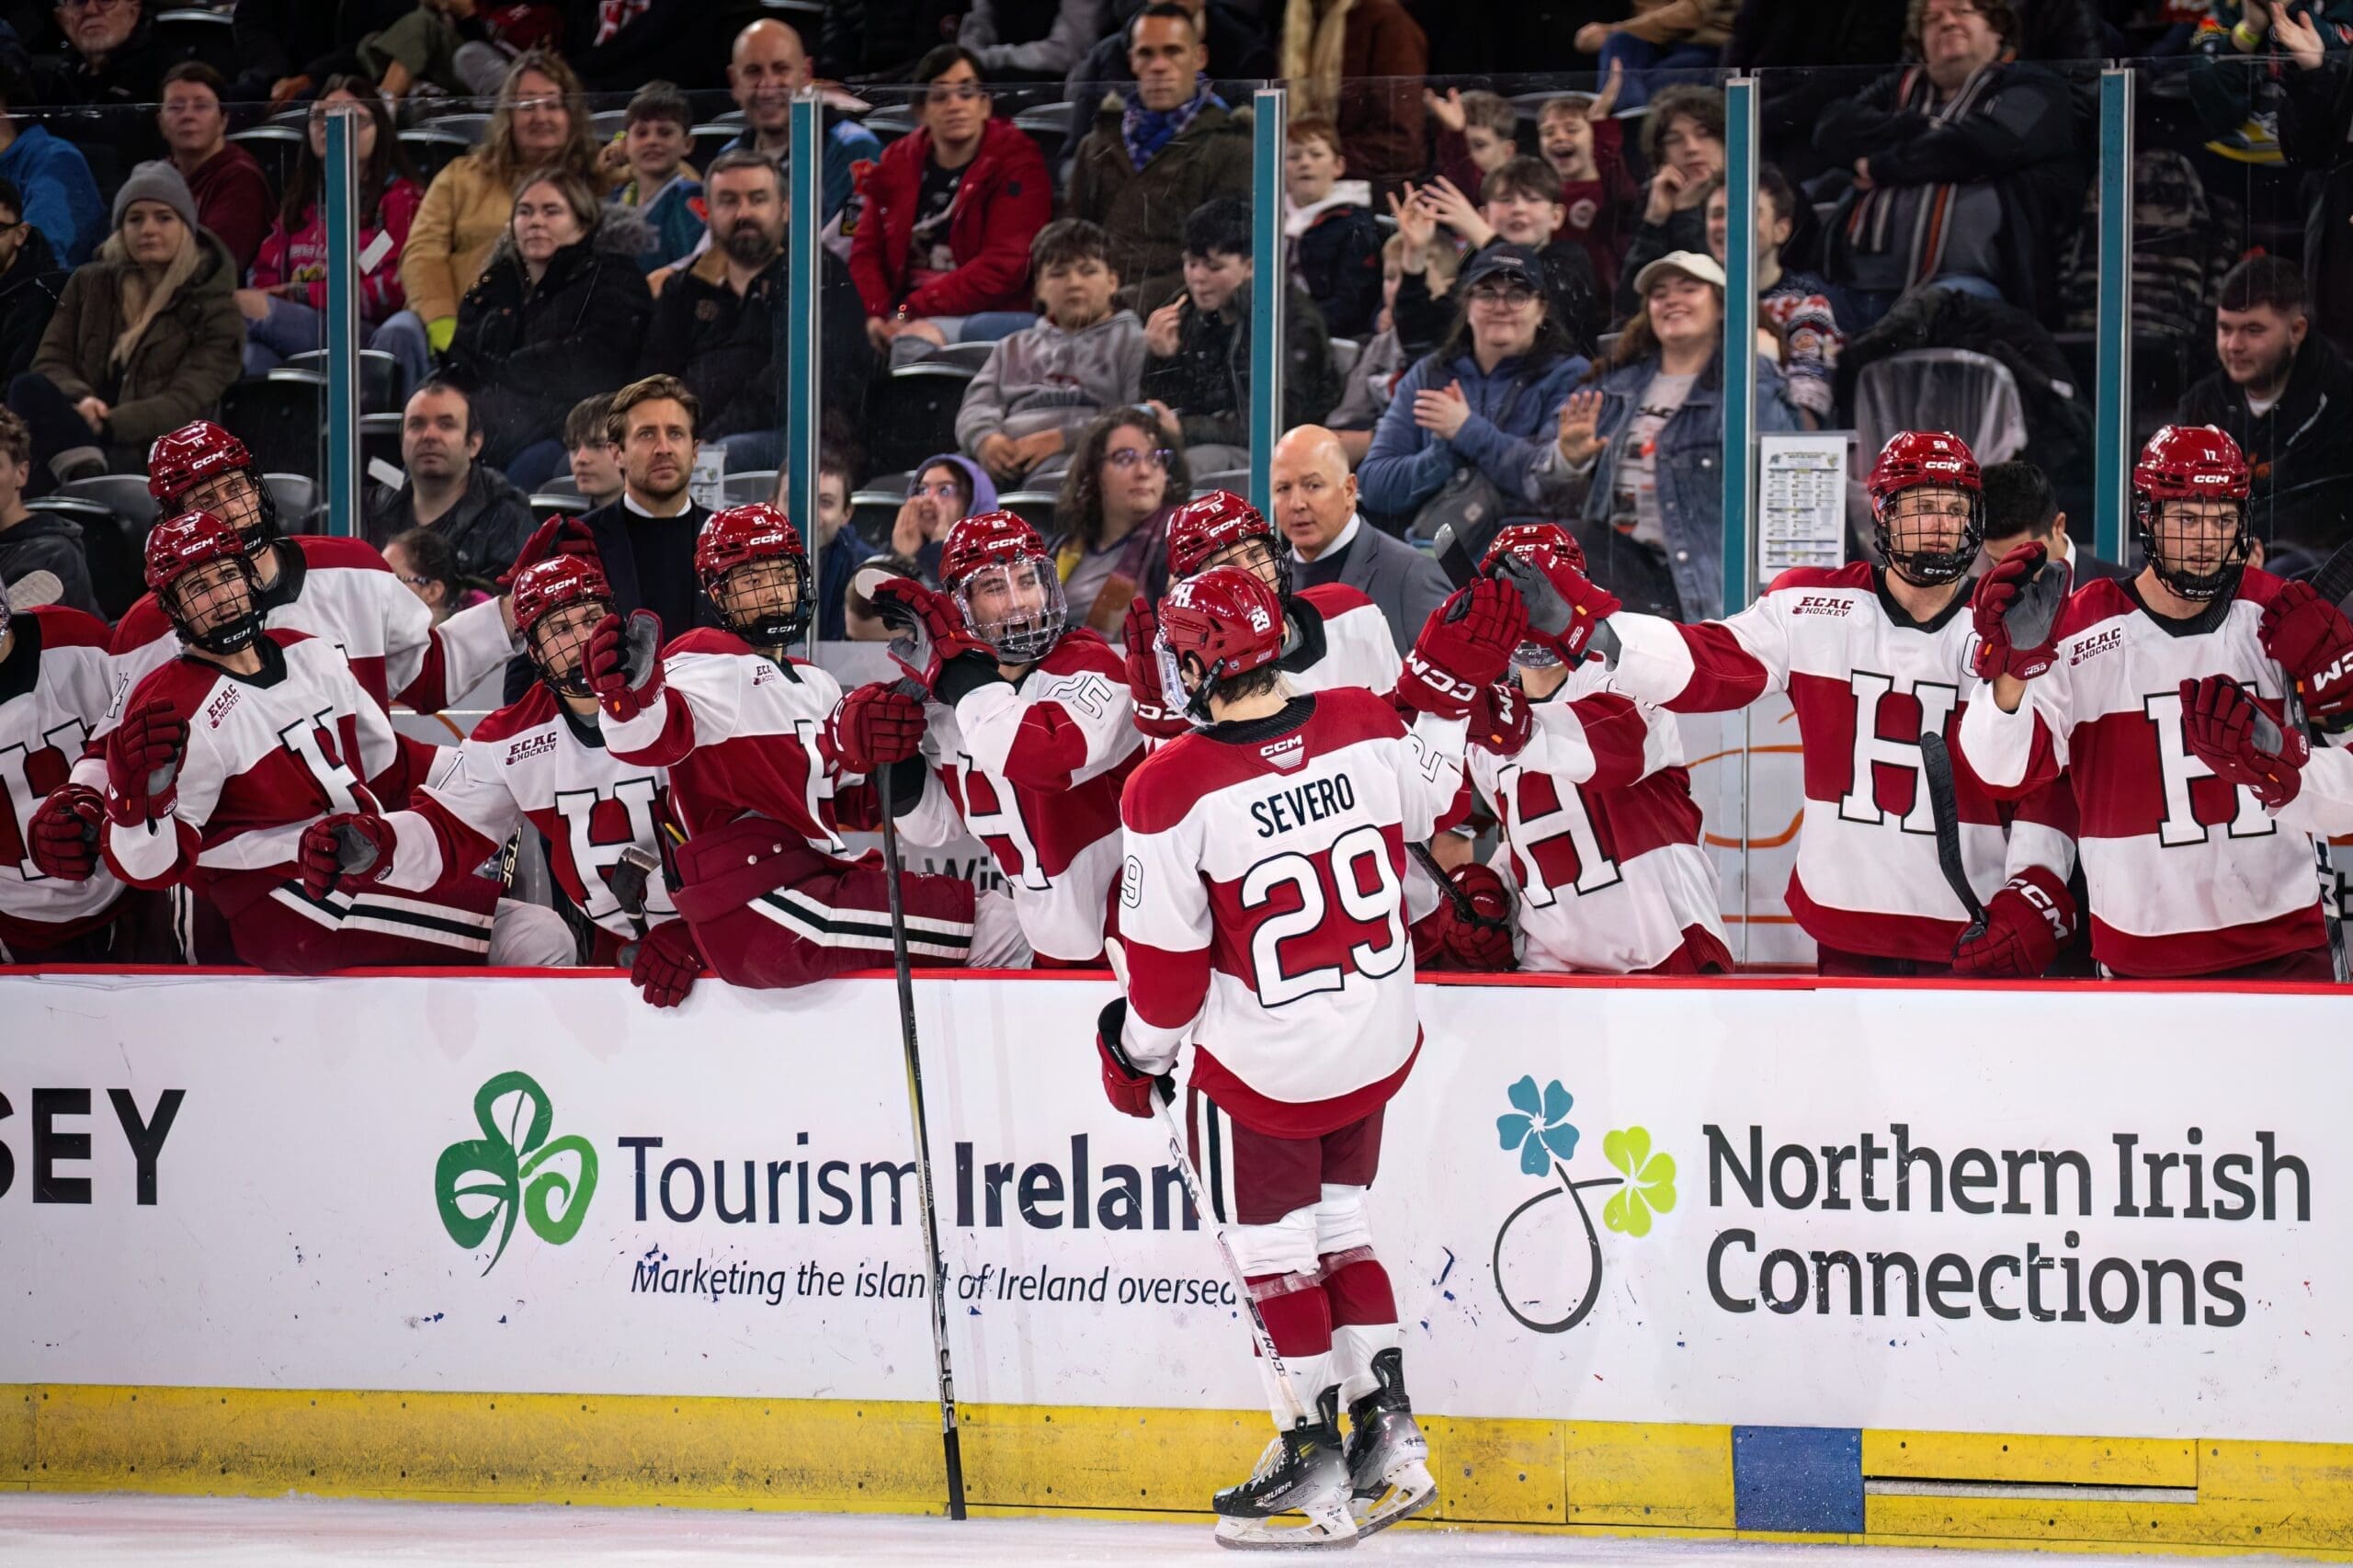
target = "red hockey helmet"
x: 1227, y: 622
x: 1927, y: 459
x: 1208, y: 524
x: 544, y: 587
x: 1551, y: 548
x: 745, y: 536
x: 2191, y: 462
x: 181, y: 545
x: 996, y: 566
x: 195, y: 453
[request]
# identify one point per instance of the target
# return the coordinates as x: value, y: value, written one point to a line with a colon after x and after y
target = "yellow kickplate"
x: 1658, y: 1475
x: 1149, y: 1461
x: 1497, y: 1471
x: 2073, y: 1462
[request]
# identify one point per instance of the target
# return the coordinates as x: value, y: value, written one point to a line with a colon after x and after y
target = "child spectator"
x: 661, y: 185
x: 1683, y: 141
x: 595, y: 461
x: 1198, y: 346
x: 941, y: 491
x: 1477, y: 134
x: 1793, y: 309
x: 1373, y: 380
x: 1580, y: 137
x: 1522, y: 207
x: 839, y: 551
x: 1042, y: 386
x: 1335, y: 240
x: 232, y: 194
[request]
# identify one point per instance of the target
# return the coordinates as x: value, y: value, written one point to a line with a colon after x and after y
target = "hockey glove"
x: 557, y: 536
x: 1501, y: 720
x: 64, y: 833
x: 1480, y: 938
x: 930, y: 626
x: 345, y: 845
x: 1129, y: 1091
x: 873, y: 727
x: 2016, y: 611
x: 2227, y: 731
x: 2313, y: 643
x: 1565, y: 608
x: 625, y: 663
x: 143, y: 763
x: 1466, y: 646
x: 1139, y: 635
x: 667, y: 964
x: 2026, y: 921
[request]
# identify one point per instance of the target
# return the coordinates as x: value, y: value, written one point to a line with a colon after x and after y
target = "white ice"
x: 38, y: 1530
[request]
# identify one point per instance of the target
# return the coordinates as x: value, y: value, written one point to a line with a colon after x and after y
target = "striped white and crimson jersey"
x: 56, y: 684
x: 2187, y: 874
x: 1263, y: 909
x: 1033, y: 769
x: 1600, y: 835
x: 1865, y: 681
x: 1342, y: 638
x: 535, y: 760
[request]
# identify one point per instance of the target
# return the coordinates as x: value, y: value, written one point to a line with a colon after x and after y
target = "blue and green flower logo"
x: 1537, y: 1129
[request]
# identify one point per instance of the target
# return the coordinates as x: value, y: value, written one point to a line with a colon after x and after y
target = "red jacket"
x: 1005, y: 198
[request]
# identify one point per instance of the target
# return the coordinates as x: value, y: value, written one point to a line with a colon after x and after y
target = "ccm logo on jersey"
x: 1819, y: 604
x: 1312, y: 802
x: 529, y: 746
x: 218, y: 709
x: 2102, y: 642
x: 1288, y: 751
x: 2336, y: 674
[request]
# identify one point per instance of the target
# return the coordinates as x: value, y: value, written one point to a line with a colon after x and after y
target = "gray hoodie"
x: 42, y: 560
x: 1046, y: 379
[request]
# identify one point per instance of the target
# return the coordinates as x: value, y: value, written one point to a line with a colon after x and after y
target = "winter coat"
x: 1206, y: 381
x: 180, y: 365
x: 300, y: 256
x: 1384, y: 55
x: 1011, y: 43
x: 1770, y: 36
x: 534, y: 349
x: 62, y: 199
x: 2301, y: 451
x: 486, y: 527
x: 464, y: 216
x: 47, y: 542
x: 1336, y: 256
x: 1005, y: 198
x: 28, y: 292
x: 1045, y: 379
x: 1240, y: 55
x: 1144, y: 209
x: 1510, y: 429
x: 731, y: 350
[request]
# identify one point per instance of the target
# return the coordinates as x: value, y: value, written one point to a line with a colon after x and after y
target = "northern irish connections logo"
x: 514, y: 1168
x: 1552, y: 1262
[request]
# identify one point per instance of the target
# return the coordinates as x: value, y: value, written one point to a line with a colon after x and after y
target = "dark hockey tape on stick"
x: 1936, y: 767
x: 1464, y: 910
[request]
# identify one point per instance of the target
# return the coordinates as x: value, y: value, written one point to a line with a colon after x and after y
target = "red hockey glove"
x: 1464, y: 646
x: 2026, y: 921
x: 1501, y: 720
x: 874, y: 726
x: 625, y: 663
x: 667, y: 964
x: 1565, y: 608
x: 2016, y: 611
x: 930, y: 626
x: 1139, y: 635
x: 2227, y: 731
x: 356, y: 846
x: 143, y: 763
x: 1479, y: 938
x: 557, y: 536
x: 1129, y: 1091
x: 62, y: 837
x: 2313, y: 643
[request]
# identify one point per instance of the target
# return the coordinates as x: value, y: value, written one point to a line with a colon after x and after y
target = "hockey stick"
x: 1464, y: 910
x: 2291, y: 702
x: 1179, y: 1157
x: 1936, y: 767
x: 950, y: 1439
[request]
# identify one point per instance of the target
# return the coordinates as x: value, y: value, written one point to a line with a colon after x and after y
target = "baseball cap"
x: 1512, y: 264
x: 1691, y: 264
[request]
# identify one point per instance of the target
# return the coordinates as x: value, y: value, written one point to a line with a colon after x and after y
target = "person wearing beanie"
x: 145, y: 338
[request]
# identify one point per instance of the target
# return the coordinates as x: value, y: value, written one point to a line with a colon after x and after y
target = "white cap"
x: 1691, y: 264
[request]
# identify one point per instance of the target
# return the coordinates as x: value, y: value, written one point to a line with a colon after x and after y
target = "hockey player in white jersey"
x: 57, y: 902
x: 1264, y: 923
x: 2299, y: 784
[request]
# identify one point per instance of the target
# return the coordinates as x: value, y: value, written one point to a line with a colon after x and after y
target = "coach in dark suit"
x: 1315, y: 507
x: 2019, y: 506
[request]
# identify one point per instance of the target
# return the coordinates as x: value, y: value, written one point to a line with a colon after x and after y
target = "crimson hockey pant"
x: 286, y: 931
x: 1293, y: 1209
x: 135, y: 929
x: 769, y: 911
x: 1701, y: 953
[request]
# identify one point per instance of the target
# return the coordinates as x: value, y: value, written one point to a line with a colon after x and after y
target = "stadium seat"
x: 1035, y: 508
x: 914, y: 413
x: 110, y: 546
x: 1234, y: 479
x: 281, y: 418
x: 296, y: 497
x: 124, y: 495
x: 432, y: 149
x: 560, y: 485
x: 1345, y: 353
x: 875, y: 507
x: 383, y: 387
x: 1971, y: 394
x: 744, y: 489
x: 188, y: 34
x: 472, y: 127
x: 275, y: 148
x: 380, y: 442
x: 544, y: 504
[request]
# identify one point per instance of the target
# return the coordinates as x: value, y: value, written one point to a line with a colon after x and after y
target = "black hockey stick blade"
x: 1936, y: 768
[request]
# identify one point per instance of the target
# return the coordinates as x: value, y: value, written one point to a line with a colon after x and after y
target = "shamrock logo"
x: 487, y: 1180
x: 1650, y: 1181
x: 1540, y: 1128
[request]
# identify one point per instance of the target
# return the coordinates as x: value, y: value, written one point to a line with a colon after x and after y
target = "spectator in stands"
x: 1640, y: 455
x: 716, y: 325
x: 1520, y: 205
x: 423, y: 560
x: 1683, y: 141
x: 286, y: 47
x: 1663, y: 42
x: 1477, y: 134
x: 941, y: 491
x: 41, y: 559
x: 1965, y: 168
x: 2316, y: 141
x: 231, y: 193
x: 1027, y: 42
x: 646, y: 539
x: 859, y: 620
x: 109, y: 60
x: 285, y: 309
x: 1197, y: 347
x: 1237, y: 44
x: 1373, y: 378
x: 618, y: 44
x: 448, y: 491
x: 1795, y: 306
x: 661, y: 184
x: 1469, y: 424
x: 769, y: 66
x: 540, y: 121
x: 595, y: 460
x: 1111, y: 519
x: 1165, y: 146
x: 1315, y: 505
x: 145, y: 339
x: 51, y: 177
x: 1040, y: 388
x: 1806, y: 58
x: 1360, y: 64
x: 2282, y: 392
x: 1582, y: 139
x: 558, y: 314
x: 426, y: 47
x: 838, y: 548
x: 2019, y: 508
x: 942, y: 250
x: 31, y: 281
x: 1333, y: 240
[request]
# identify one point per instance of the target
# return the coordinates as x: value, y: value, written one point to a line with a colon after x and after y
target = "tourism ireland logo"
x: 1555, y: 1261
x: 514, y: 1168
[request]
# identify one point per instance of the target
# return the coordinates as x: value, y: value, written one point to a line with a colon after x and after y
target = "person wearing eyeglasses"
x: 109, y: 59
x: 941, y: 491
x: 1126, y: 477
x: 427, y: 567
x: 942, y: 253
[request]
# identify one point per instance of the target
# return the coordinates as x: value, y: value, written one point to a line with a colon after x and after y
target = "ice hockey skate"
x: 1389, y: 1474
x: 1303, y: 1471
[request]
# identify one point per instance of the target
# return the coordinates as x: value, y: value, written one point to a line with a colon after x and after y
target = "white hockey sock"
x: 1353, y: 1345
x: 1310, y: 1376
x: 997, y: 941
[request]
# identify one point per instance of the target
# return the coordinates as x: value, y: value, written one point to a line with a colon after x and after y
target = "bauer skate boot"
x: 1303, y: 1471
x: 1389, y: 1471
